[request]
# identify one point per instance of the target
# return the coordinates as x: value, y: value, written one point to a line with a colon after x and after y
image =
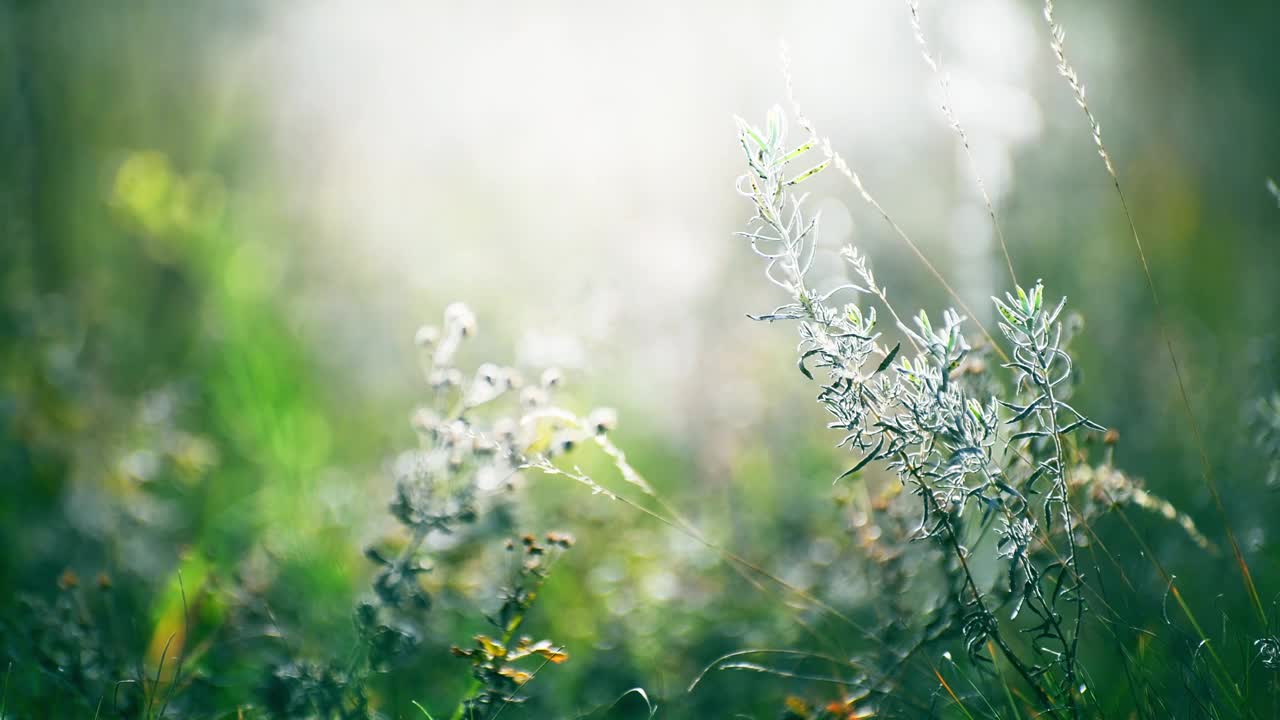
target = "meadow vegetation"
x: 988, y: 554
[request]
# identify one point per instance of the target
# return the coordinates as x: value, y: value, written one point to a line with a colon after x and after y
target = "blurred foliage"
x: 190, y: 483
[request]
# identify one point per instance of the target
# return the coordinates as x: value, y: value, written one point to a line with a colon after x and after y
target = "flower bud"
x: 427, y: 336
x: 551, y: 378
x: 459, y: 316
x: 602, y: 420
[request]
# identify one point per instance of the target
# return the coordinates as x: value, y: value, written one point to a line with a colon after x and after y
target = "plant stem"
x: 995, y: 634
x: 1059, y: 460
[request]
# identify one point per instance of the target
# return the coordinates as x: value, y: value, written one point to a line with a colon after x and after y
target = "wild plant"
x: 953, y: 448
x: 68, y: 640
x: 477, y: 433
x: 986, y: 453
x: 497, y: 678
x: 133, y: 483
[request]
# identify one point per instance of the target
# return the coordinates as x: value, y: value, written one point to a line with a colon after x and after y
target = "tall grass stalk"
x: 1057, y: 44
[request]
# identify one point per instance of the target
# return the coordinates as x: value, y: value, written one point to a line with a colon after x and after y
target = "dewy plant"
x: 986, y: 439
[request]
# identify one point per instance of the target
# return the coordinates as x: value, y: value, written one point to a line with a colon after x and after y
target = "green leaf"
x: 1028, y: 434
x: 798, y: 152
x: 1056, y: 311
x: 925, y: 325
x: 809, y: 173
x: 1007, y: 312
x: 975, y: 409
x: 751, y: 132
x: 861, y: 463
x: 1023, y: 412
x: 888, y: 359
x: 774, y: 122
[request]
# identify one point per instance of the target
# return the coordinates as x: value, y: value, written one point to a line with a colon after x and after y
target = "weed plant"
x: 977, y: 480
x: 994, y: 458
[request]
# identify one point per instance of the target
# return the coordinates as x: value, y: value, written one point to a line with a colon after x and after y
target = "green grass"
x: 205, y: 519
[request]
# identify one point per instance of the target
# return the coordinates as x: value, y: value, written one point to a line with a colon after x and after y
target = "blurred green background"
x: 221, y: 223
